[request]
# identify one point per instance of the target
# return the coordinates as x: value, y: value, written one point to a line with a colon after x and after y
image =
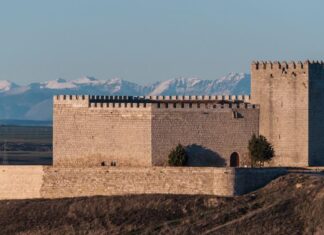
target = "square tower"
x: 291, y: 96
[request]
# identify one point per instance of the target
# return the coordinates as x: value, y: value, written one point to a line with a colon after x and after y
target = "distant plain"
x: 25, y: 145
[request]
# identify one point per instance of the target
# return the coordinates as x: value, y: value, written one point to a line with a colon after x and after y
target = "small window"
x: 237, y: 115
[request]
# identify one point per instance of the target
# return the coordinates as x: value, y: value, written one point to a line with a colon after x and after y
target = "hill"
x: 291, y: 204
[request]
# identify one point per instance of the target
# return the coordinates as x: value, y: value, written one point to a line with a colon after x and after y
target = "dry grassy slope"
x: 292, y: 204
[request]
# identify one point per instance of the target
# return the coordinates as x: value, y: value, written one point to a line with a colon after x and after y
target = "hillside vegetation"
x: 291, y: 204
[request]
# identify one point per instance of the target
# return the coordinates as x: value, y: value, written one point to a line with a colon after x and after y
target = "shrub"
x: 178, y: 156
x: 260, y: 150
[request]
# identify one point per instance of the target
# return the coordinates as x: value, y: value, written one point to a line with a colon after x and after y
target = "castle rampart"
x: 66, y: 99
x: 284, y: 106
x: 94, y: 134
x: 20, y: 182
x: 141, y: 131
x: 290, y: 98
x: 87, y: 134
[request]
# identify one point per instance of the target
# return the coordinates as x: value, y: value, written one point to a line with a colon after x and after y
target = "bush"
x: 178, y: 156
x: 260, y: 150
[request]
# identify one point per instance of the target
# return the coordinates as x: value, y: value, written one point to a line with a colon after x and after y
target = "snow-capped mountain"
x: 34, y: 101
x: 233, y: 83
x: 6, y: 85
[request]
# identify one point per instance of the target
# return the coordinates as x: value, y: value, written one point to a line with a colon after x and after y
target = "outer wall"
x: 95, y: 136
x: 210, y: 135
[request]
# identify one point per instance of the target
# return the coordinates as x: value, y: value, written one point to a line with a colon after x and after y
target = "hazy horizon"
x: 139, y: 83
x: 145, y: 41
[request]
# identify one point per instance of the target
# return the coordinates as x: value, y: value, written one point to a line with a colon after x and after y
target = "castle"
x: 94, y: 134
x: 285, y: 106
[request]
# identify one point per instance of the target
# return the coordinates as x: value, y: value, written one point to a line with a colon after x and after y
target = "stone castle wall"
x: 210, y: 134
x: 91, y: 136
x: 75, y: 182
x: 316, y: 114
x: 90, y: 131
x: 21, y: 182
x: 290, y: 96
x: 282, y: 92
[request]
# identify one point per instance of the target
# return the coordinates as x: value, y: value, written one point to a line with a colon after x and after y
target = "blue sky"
x: 147, y: 40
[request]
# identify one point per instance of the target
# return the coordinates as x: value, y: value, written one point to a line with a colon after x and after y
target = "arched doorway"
x: 234, y: 160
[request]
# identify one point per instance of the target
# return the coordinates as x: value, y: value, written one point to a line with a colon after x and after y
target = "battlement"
x: 158, y: 102
x: 71, y: 100
x: 206, y: 106
x: 150, y: 99
x: 182, y: 105
x: 292, y: 65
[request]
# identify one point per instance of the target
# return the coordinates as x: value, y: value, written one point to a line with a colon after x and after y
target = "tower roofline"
x: 259, y: 65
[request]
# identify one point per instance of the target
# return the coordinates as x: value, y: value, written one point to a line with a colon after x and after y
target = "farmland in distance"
x: 25, y: 145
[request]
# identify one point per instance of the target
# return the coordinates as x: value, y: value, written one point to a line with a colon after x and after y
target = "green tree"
x: 178, y: 156
x: 260, y: 150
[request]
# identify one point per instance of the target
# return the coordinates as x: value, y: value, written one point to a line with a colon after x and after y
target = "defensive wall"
x: 291, y: 100
x: 85, y: 134
x: 141, y: 131
x: 21, y: 182
x: 91, y: 133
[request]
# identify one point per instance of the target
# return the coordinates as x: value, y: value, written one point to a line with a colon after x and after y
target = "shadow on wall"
x: 201, y: 156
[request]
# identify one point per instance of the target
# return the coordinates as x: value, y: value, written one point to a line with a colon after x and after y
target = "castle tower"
x: 291, y: 98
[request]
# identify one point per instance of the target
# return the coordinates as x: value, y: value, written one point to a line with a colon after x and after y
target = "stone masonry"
x: 285, y: 106
x: 141, y: 131
x: 93, y: 134
x: 21, y: 182
x: 291, y: 97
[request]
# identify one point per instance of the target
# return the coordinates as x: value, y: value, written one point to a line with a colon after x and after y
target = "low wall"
x: 72, y: 182
x: 250, y: 179
x: 19, y: 182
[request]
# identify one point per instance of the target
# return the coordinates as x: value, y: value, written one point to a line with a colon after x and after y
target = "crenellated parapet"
x: 119, y: 105
x: 171, y: 99
x: 203, y: 106
x: 259, y: 65
x: 167, y: 105
x: 284, y: 68
x: 72, y: 100
x: 70, y: 97
x: 220, y: 101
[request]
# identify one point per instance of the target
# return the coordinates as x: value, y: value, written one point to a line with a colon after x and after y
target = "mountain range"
x: 34, y: 101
